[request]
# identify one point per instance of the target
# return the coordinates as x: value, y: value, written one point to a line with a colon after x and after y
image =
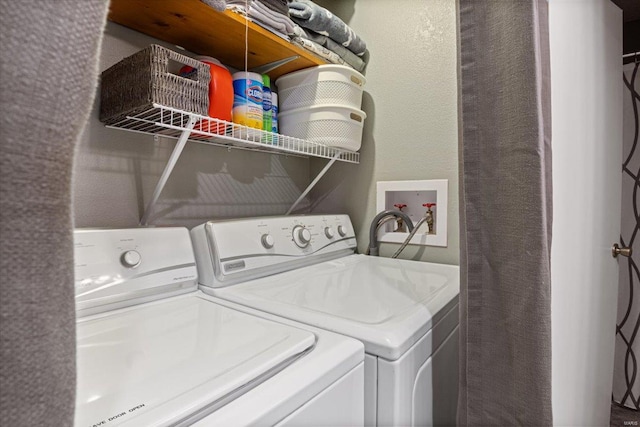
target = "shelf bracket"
x: 173, y: 159
x: 315, y: 181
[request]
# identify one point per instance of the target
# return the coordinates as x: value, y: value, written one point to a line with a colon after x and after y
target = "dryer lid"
x: 388, y: 304
x: 160, y: 362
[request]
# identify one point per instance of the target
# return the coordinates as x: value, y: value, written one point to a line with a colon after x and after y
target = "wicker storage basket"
x: 132, y: 85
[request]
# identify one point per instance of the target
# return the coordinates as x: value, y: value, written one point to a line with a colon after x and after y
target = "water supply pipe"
x: 378, y: 220
x: 410, y: 236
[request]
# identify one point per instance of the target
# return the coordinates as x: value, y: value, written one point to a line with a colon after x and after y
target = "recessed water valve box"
x: 415, y: 198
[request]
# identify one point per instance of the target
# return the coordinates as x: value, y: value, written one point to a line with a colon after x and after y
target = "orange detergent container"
x: 220, y: 96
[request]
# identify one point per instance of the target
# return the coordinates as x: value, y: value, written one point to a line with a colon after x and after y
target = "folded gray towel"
x: 350, y: 58
x: 260, y: 13
x: 357, y: 62
x: 321, y: 51
x: 279, y: 6
x: 306, y: 33
x: 261, y: 7
x: 219, y: 5
x: 309, y: 15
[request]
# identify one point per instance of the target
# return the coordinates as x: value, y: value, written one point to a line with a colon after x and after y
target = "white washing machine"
x: 152, y: 350
x: 304, y: 268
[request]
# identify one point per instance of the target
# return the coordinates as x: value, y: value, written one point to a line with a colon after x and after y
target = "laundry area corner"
x: 318, y: 213
x: 265, y: 181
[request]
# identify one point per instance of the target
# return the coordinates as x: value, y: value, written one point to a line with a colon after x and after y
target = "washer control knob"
x: 301, y: 236
x: 328, y: 231
x: 131, y: 259
x: 342, y: 230
x: 267, y: 241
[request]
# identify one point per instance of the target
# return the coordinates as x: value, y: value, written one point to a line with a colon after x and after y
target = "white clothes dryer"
x: 152, y: 350
x: 304, y: 268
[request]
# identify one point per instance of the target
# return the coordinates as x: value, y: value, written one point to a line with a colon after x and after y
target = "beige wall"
x: 117, y: 171
x: 411, y: 130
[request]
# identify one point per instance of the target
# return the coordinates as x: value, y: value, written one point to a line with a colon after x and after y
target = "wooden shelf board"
x: 205, y: 31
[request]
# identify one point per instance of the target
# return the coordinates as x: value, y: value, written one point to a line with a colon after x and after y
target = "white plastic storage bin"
x: 321, y: 85
x: 332, y: 125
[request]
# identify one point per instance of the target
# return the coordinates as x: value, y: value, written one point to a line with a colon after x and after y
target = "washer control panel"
x: 114, y: 266
x: 256, y: 247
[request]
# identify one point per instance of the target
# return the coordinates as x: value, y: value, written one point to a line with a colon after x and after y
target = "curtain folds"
x: 506, y: 214
x: 48, y: 74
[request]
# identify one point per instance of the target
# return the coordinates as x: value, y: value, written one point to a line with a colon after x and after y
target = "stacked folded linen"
x: 279, y: 6
x: 315, y: 28
x: 323, y: 28
x: 267, y: 13
x: 318, y: 50
x: 344, y: 55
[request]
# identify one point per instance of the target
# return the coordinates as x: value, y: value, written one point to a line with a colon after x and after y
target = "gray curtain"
x: 48, y: 73
x: 506, y: 213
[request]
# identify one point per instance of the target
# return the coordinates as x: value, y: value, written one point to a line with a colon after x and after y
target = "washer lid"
x: 158, y: 363
x: 386, y: 303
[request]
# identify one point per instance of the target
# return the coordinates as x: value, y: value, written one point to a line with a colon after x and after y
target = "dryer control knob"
x: 328, y: 231
x: 267, y: 241
x: 301, y: 236
x: 131, y: 259
x: 342, y: 230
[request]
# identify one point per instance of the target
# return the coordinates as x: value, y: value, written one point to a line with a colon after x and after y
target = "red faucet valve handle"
x: 428, y: 205
x: 400, y: 205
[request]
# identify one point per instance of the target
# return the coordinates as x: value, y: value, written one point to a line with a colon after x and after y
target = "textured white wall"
x: 411, y: 130
x: 117, y: 171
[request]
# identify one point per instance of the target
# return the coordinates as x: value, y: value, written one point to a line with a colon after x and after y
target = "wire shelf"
x: 170, y: 122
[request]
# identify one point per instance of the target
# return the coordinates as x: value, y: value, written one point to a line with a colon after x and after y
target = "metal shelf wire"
x: 173, y: 123
x: 170, y: 122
